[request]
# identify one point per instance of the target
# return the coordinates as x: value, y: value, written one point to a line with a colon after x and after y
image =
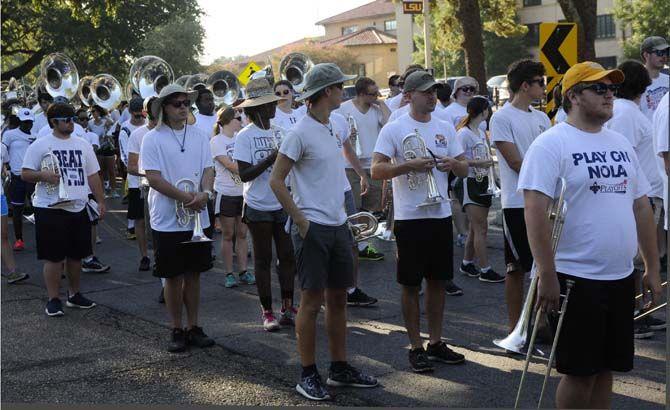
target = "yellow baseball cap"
x: 589, y: 71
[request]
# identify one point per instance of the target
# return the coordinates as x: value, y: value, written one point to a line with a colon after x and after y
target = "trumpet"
x: 363, y: 225
x: 353, y: 129
x: 413, y: 147
x: 185, y: 215
x: 492, y: 188
x: 50, y: 162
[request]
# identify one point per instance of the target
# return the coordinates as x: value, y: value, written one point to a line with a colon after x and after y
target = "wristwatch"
x: 210, y: 194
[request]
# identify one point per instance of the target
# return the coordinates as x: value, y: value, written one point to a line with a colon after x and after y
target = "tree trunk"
x: 23, y: 69
x: 467, y: 12
x: 585, y: 14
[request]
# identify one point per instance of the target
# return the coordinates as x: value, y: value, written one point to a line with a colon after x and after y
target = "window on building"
x: 527, y: 3
x: 606, y: 27
x: 533, y: 35
x: 390, y: 25
x: 361, y: 70
x: 349, y: 30
x: 607, y: 62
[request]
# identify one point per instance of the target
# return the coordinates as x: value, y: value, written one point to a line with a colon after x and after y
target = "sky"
x: 250, y: 27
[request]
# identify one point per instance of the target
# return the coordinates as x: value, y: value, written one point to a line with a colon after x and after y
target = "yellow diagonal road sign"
x: 248, y: 71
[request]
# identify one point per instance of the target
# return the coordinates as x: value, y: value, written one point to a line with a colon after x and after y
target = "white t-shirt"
x: 205, y: 123
x: 17, y: 143
x: 39, y: 123
x: 47, y: 131
x: 124, y: 141
x: 629, y: 121
x: 455, y: 112
x: 224, y: 184
x: 4, y: 159
x: 661, y: 143
x: 369, y: 125
x: 342, y: 132
x: 652, y: 95
x: 98, y: 128
x: 440, y: 138
x: 287, y: 121
x: 252, y: 146
x: 162, y: 151
x: 125, y: 115
x: 135, y: 145
x: 77, y: 162
x: 510, y: 124
x: 603, y: 178
x: 561, y: 116
x: 394, y: 102
x: 92, y: 138
x: 468, y: 140
x: 318, y: 171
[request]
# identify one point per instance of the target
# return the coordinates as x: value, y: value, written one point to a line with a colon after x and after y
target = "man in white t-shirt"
x: 423, y: 228
x: 661, y: 142
x: 205, y: 118
x: 311, y: 153
x: 394, y: 86
x: 178, y: 164
x: 606, y: 206
x: 397, y: 101
x: 654, y: 52
x: 44, y: 100
x: 513, y: 128
x: 285, y: 116
x: 63, y: 227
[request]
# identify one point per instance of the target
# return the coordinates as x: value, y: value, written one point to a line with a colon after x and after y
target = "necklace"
x: 182, y: 144
x: 329, y: 127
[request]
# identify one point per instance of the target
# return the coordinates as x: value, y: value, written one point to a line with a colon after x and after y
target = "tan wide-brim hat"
x: 168, y: 90
x: 259, y: 92
x: 321, y: 76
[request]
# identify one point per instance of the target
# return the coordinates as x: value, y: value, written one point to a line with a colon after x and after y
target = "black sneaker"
x: 452, y: 290
x: 177, y: 341
x: 79, y: 301
x: 642, y: 331
x: 370, y: 254
x: 161, y: 297
x: 312, y: 387
x: 93, y: 265
x: 54, y: 307
x: 198, y: 338
x: 491, y: 276
x: 470, y: 269
x: 145, y: 263
x: 440, y: 352
x: 654, y: 323
x: 419, y: 362
x: 360, y: 298
x: 350, y: 376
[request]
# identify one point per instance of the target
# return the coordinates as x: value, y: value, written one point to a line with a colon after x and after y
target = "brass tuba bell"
x: 293, y: 67
x: 84, y: 90
x: 149, y: 74
x: 106, y: 91
x: 224, y: 86
x: 60, y: 75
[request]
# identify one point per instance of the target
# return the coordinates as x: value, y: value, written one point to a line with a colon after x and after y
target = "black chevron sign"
x: 550, y: 47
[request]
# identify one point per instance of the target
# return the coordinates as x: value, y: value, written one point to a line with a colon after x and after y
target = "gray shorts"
x: 323, y: 257
x: 349, y: 203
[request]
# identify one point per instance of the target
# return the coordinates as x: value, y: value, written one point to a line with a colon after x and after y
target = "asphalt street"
x: 115, y: 353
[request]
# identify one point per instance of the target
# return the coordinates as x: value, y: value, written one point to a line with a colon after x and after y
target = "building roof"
x: 374, y: 9
x: 367, y: 36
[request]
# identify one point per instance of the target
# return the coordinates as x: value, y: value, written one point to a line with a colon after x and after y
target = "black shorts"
x: 425, y: 250
x: 19, y: 190
x: 135, y: 204
x: 597, y: 332
x: 517, y: 250
x: 228, y: 206
x: 60, y: 234
x: 174, y: 258
x: 251, y: 215
x: 470, y: 192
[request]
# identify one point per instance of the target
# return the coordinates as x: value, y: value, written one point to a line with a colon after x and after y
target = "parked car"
x: 498, y: 89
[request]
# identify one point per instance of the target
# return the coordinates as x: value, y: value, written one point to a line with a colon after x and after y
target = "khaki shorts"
x: 371, y: 201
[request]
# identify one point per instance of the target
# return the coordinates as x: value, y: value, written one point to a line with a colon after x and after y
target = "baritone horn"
x: 106, y: 91
x: 60, y: 75
x: 50, y: 162
x: 224, y: 86
x: 413, y: 147
x: 293, y: 67
x: 363, y: 225
x: 186, y: 215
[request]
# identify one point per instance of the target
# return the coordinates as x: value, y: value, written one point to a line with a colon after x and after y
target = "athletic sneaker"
x: 247, y: 278
x: 79, y: 301
x: 270, y: 324
x: 470, y: 269
x: 130, y: 234
x: 654, y: 323
x: 93, y: 265
x: 15, y: 277
x: 287, y: 317
x: 196, y: 337
x: 360, y: 298
x: 419, y: 362
x: 642, y: 331
x: 440, y: 352
x: 460, y: 240
x: 19, y: 245
x: 145, y: 263
x: 231, y: 281
x: 98, y: 241
x: 370, y: 254
x: 312, y: 387
x: 452, y: 290
x: 491, y: 276
x: 347, y: 375
x: 177, y: 341
x: 54, y: 307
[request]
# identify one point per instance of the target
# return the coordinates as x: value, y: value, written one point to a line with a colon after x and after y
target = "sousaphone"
x: 293, y: 67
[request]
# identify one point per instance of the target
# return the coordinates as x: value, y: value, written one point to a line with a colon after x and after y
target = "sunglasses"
x: 539, y: 81
x: 182, y: 103
x: 601, y: 88
x: 280, y: 93
x: 661, y: 53
x: 66, y: 120
x: 468, y: 89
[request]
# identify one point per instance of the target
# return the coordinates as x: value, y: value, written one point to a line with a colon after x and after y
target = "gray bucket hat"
x: 167, y: 91
x: 321, y: 76
x: 259, y: 92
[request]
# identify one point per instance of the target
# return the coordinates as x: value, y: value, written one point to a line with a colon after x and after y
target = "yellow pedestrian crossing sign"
x: 248, y: 71
x: 558, y: 52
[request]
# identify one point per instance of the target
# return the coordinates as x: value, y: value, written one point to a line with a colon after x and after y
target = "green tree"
x: 98, y: 35
x: 645, y: 18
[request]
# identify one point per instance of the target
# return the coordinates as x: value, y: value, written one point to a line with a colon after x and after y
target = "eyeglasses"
x: 182, y: 103
x: 283, y: 92
x: 600, y: 88
x: 539, y: 81
x: 661, y: 53
x: 66, y: 120
x: 468, y: 89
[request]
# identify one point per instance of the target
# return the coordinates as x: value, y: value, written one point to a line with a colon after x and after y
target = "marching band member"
x: 464, y: 89
x: 46, y: 130
x: 10, y: 272
x: 423, y: 234
x: 205, y: 118
x: 101, y: 125
x: 393, y: 103
x: 173, y: 152
x: 654, y: 51
x: 63, y: 232
x: 661, y: 127
x: 255, y: 152
x: 606, y: 195
x: 44, y: 100
x: 229, y: 200
x: 312, y: 154
x: 17, y: 141
x: 394, y: 86
x: 513, y: 129
x: 285, y: 116
x: 471, y: 191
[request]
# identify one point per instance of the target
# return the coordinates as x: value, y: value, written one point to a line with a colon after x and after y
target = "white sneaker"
x: 270, y: 323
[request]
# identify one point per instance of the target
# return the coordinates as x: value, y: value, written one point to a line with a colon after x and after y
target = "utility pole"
x: 426, y: 33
